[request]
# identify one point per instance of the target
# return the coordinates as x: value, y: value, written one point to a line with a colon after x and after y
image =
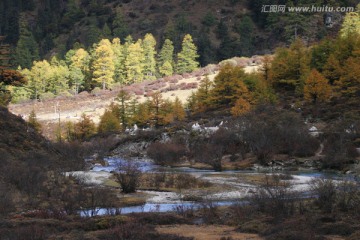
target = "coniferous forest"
x: 189, y: 119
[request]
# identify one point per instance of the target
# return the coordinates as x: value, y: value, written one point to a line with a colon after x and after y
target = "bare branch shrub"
x: 274, y: 196
x: 128, y: 175
x: 325, y: 193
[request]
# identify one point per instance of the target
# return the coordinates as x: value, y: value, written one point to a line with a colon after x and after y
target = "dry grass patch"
x: 212, y: 232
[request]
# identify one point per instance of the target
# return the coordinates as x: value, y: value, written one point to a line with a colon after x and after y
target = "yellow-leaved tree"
x: 135, y: 62
x: 103, y: 65
x: 351, y: 24
x: 317, y: 88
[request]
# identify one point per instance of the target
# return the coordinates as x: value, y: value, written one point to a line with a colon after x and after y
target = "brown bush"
x: 128, y: 175
x: 166, y: 153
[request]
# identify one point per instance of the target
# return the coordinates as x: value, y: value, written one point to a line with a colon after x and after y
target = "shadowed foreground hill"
x: 20, y: 145
x: 18, y: 140
x: 30, y: 165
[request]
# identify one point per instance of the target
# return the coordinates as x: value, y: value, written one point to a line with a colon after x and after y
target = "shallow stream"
x: 165, y: 202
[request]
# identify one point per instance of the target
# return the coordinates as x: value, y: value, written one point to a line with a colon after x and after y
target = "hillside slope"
x: 221, y: 29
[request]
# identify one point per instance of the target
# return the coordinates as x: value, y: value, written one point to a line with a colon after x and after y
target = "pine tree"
x: 148, y: 45
x: 85, y: 128
x: 349, y: 82
x: 290, y: 67
x: 178, y: 111
x: 166, y: 69
x: 246, y: 31
x: 119, y: 61
x: 27, y: 49
x: 106, y: 32
x: 123, y: 99
x: 103, y: 65
x: 317, y: 88
x: 156, y: 107
x: 266, y: 70
x: 78, y: 67
x: 132, y: 111
x: 33, y: 122
x: 58, y: 77
x: 143, y: 116
x: 228, y: 86
x: 166, y: 58
x: 119, y: 26
x: 203, y: 94
x: 108, y: 123
x: 188, y: 55
x: 227, y: 46
x: 38, y: 77
x: 332, y: 69
x: 134, y: 63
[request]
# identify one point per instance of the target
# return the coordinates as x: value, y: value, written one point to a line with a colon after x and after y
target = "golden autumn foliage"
x: 85, y: 128
x: 228, y: 86
x: 241, y: 107
x: 317, y: 88
x: 289, y: 66
x: 178, y: 110
x: 108, y: 122
x: 349, y: 82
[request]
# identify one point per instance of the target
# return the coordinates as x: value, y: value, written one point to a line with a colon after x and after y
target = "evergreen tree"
x: 108, y: 123
x: 166, y: 69
x: 27, y: 49
x: 33, y: 122
x: 229, y: 86
x: 58, y: 77
x: 349, y: 83
x: 178, y: 111
x: 123, y: 99
x: 119, y: 26
x: 143, y: 116
x: 206, y: 50
x: 85, y: 128
x: 203, y: 96
x: 76, y: 78
x: 119, y: 61
x: 156, y: 108
x: 106, y: 32
x: 290, y: 67
x: 246, y: 31
x: 166, y: 58
x: 227, y: 48
x: 148, y: 45
x: 38, y: 77
x: 103, y: 65
x: 188, y: 55
x: 320, y: 54
x: 134, y: 63
x: 79, y: 68
x: 92, y: 32
x: 72, y: 14
x: 332, y: 69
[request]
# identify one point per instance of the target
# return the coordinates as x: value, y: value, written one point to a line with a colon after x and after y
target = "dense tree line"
x: 105, y: 64
x: 56, y: 26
